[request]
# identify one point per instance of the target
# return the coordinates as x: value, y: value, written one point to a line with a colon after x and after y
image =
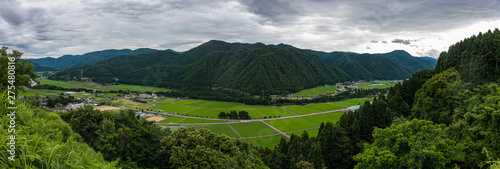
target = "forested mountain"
x: 75, y: 61
x: 251, y: 68
x: 405, y: 60
x: 38, y: 68
x: 397, y: 64
x: 371, y: 67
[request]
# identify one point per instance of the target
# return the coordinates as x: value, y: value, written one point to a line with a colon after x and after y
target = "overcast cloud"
x: 41, y: 28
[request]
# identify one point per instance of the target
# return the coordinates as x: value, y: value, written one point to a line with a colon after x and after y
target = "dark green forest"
x: 249, y: 68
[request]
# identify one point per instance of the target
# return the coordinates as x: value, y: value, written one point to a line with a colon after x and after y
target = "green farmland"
x: 269, y: 142
x: 293, y: 124
x: 302, y: 109
x: 75, y: 84
x: 253, y: 129
x: 219, y: 129
x: 317, y: 91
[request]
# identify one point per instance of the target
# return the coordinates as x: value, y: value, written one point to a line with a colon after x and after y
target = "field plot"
x: 271, y: 112
x: 336, y: 114
x: 129, y: 103
x: 75, y: 84
x: 326, y: 107
x: 208, y: 104
x: 301, y: 109
x: 311, y: 133
x: 293, y: 124
x: 316, y: 91
x: 269, y: 142
x: 173, y: 119
x: 345, y: 103
x: 155, y: 118
x: 193, y: 120
x: 362, y: 100
x: 253, y: 129
x: 106, y: 108
x: 219, y: 129
x: 376, y: 85
x: 174, y: 108
x: 322, y: 118
x: 214, y: 113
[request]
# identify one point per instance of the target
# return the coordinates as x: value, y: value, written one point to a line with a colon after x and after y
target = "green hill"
x: 250, y: 68
x: 76, y: 61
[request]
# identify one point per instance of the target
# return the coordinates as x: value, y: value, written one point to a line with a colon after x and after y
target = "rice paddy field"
x: 293, y: 124
x: 269, y: 142
x: 253, y: 129
x: 317, y: 91
x: 302, y: 109
x: 76, y: 84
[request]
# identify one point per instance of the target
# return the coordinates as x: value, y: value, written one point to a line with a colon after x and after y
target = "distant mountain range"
x: 249, y: 67
x: 76, y: 61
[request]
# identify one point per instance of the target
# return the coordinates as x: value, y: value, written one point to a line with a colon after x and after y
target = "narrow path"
x: 259, y: 112
x: 275, y: 129
x: 234, y: 131
x: 303, y: 129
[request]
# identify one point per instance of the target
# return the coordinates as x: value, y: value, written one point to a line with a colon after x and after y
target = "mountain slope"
x: 38, y: 68
x: 405, y: 60
x: 75, y: 61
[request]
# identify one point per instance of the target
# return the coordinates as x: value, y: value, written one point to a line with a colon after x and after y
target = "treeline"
x: 234, y: 115
x: 137, y: 143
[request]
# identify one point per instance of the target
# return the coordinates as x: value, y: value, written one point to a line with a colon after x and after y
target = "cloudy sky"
x: 42, y: 28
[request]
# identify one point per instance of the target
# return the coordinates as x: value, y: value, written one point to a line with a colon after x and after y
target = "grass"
x: 338, y: 114
x: 173, y: 119
x: 376, y: 85
x: 209, y: 104
x: 75, y: 84
x: 269, y: 142
x: 322, y: 118
x: 271, y: 112
x: 219, y: 129
x: 174, y: 108
x: 311, y: 133
x: 253, y: 129
x: 214, y: 113
x: 301, y: 109
x: 293, y: 124
x: 326, y: 107
x: 345, y: 103
x: 316, y: 91
x: 193, y: 120
x: 362, y: 100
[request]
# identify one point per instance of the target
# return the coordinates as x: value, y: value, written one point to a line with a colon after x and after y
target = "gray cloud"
x: 434, y: 53
x: 405, y: 42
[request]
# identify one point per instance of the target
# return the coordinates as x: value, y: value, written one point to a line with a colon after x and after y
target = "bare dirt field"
x: 106, y: 108
x: 155, y: 118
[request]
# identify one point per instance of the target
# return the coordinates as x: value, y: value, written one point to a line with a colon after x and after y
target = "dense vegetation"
x: 141, y: 144
x: 250, y: 68
x: 43, y: 140
x: 19, y: 76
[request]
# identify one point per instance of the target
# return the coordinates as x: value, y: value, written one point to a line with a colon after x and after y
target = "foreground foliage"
x: 43, y: 140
